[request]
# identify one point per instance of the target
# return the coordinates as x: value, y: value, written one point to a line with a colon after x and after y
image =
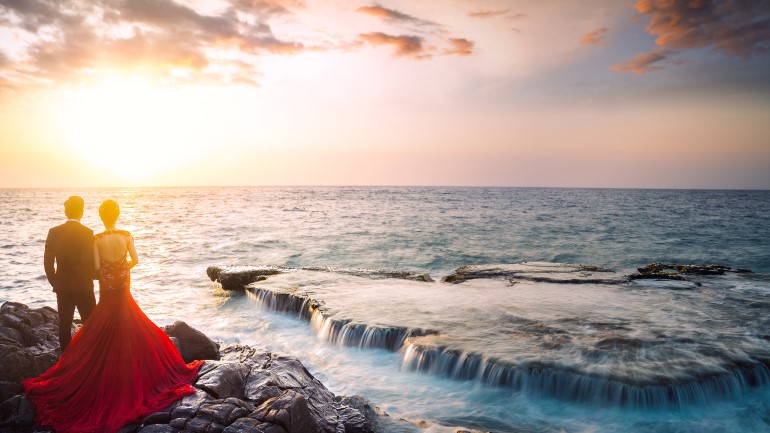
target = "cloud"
x: 406, y: 46
x: 738, y: 28
x: 266, y: 7
x: 643, y: 63
x: 68, y: 39
x: 393, y: 15
x: 414, y: 46
x: 492, y: 13
x: 224, y: 29
x: 33, y: 13
x: 488, y: 13
x: 595, y: 37
x: 460, y: 46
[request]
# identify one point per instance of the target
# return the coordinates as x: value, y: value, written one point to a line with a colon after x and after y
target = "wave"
x: 338, y: 331
x: 552, y: 381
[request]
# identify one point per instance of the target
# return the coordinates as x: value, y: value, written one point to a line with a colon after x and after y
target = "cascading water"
x: 599, y: 358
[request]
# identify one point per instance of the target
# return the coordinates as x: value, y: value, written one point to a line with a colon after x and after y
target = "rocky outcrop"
x: 674, y: 271
x: 238, y: 277
x: 29, y: 344
x: 192, y: 344
x: 239, y: 389
x: 540, y: 272
x: 561, y: 273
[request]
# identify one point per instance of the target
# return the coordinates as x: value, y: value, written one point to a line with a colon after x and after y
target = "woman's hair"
x: 109, y: 211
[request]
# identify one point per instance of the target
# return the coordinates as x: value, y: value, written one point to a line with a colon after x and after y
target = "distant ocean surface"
x: 542, y: 346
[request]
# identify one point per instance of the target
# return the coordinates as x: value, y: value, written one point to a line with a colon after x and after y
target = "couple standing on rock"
x: 119, y: 366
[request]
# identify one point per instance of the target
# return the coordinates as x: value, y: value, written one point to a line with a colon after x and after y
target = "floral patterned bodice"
x: 115, y: 275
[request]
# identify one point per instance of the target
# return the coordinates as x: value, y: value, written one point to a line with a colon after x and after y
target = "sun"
x: 132, y: 127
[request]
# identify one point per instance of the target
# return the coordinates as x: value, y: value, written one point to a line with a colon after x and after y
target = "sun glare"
x: 133, y: 128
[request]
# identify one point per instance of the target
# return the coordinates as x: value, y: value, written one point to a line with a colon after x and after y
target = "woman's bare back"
x: 112, y: 246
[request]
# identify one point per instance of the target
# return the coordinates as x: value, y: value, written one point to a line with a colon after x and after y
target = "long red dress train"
x: 117, y: 369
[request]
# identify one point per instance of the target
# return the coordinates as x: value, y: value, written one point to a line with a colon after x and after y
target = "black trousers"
x: 84, y: 301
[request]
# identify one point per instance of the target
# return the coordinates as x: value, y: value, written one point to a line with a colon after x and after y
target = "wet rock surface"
x: 583, y: 274
x: 674, y: 271
x: 537, y: 272
x: 192, y: 344
x: 29, y: 344
x: 239, y: 389
x: 238, y: 277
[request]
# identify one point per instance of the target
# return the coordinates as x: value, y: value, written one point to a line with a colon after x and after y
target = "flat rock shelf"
x: 574, y: 332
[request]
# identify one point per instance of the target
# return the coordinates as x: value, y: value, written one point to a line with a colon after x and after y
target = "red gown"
x: 117, y: 369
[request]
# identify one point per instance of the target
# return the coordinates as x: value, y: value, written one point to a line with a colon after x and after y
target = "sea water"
x: 525, y: 351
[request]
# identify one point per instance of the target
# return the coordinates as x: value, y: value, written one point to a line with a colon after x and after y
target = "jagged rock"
x: 245, y: 354
x: 223, y: 379
x: 673, y: 271
x: 11, y: 336
x: 29, y: 343
x: 357, y: 414
x: 157, y: 428
x: 560, y: 273
x: 17, y: 363
x: 290, y: 411
x: 8, y: 390
x: 247, y: 390
x: 251, y: 425
x: 193, y: 344
x: 238, y: 277
x: 17, y: 412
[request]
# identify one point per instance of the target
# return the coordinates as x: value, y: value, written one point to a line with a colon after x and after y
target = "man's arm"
x: 49, y: 257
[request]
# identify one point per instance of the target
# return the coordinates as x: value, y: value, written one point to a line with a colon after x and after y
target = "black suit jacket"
x: 70, y: 246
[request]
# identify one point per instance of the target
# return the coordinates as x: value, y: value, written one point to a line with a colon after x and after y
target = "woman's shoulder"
x: 113, y: 231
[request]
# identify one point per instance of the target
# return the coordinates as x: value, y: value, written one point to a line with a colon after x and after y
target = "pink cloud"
x: 595, y: 37
x: 406, y: 46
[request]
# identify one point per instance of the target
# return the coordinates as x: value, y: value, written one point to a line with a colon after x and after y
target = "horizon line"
x: 386, y: 186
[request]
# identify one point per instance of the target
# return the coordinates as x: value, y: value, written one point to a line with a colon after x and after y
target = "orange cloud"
x: 460, y: 46
x: 642, y: 63
x: 488, y: 13
x: 595, y: 37
x: 735, y: 27
x: 406, y: 46
x: 393, y: 15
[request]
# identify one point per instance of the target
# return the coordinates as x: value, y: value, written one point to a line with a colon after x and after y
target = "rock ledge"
x: 239, y: 389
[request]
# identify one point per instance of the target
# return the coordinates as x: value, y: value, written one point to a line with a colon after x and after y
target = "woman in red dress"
x: 119, y: 366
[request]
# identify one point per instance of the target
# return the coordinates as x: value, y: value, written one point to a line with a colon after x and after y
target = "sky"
x: 557, y: 93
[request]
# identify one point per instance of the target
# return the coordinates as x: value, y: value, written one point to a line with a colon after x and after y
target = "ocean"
x: 546, y: 333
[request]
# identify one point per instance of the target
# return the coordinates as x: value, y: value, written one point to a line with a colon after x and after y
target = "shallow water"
x: 634, y: 333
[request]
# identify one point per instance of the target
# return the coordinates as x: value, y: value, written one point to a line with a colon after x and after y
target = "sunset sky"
x: 589, y: 93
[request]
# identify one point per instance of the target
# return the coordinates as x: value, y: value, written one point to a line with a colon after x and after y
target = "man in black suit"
x: 70, y: 247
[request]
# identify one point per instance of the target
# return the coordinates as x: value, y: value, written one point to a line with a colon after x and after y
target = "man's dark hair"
x: 73, y: 207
